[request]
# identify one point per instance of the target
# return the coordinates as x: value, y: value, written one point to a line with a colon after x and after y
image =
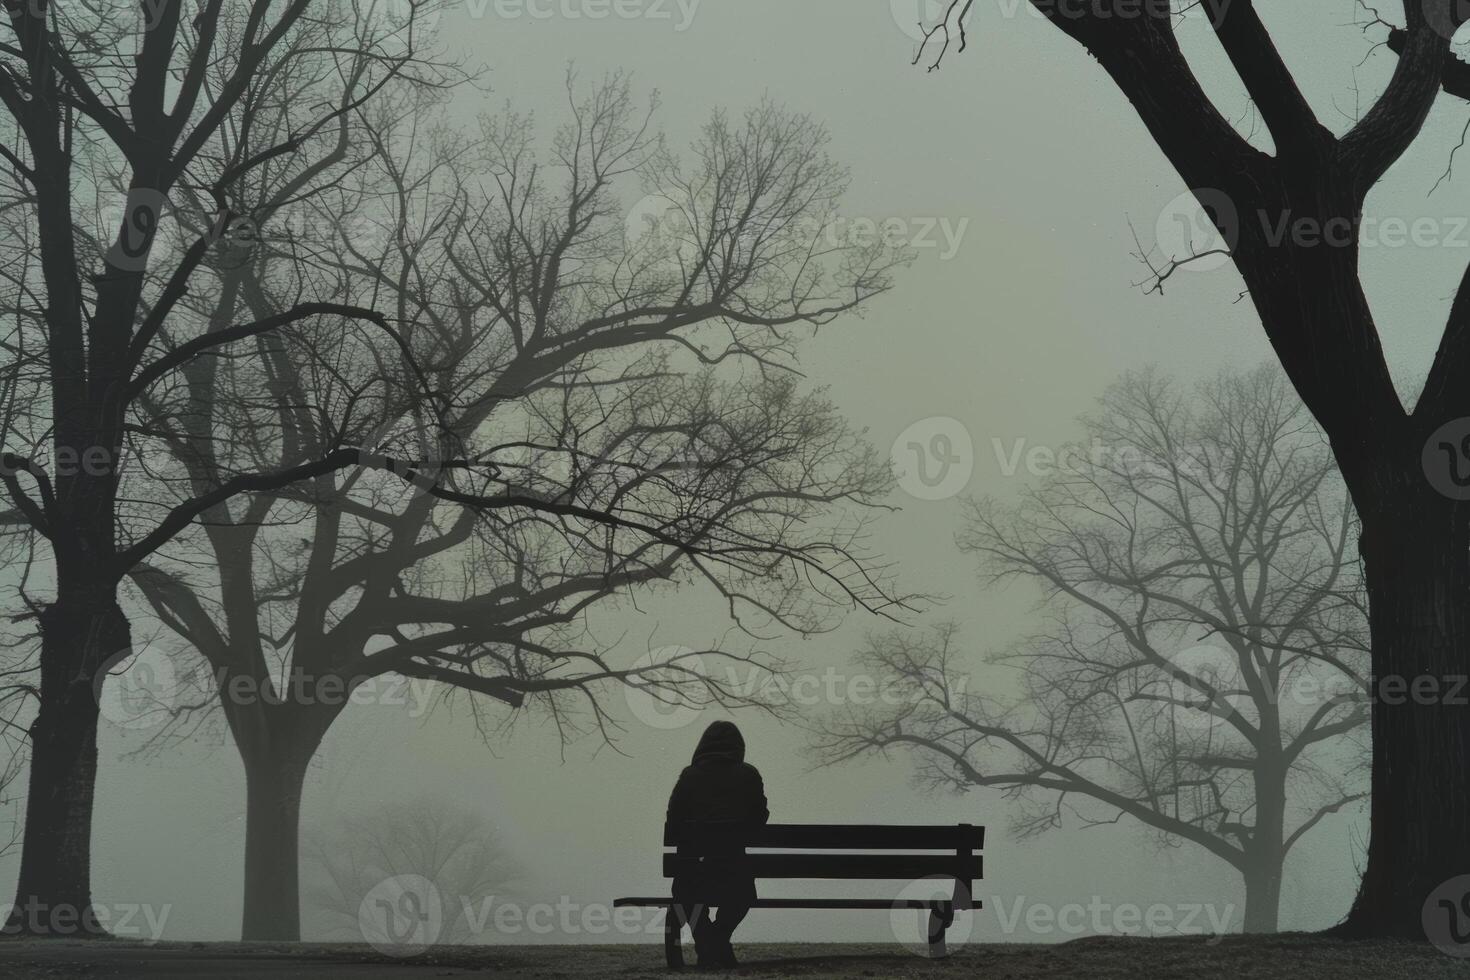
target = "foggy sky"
x: 1024, y: 143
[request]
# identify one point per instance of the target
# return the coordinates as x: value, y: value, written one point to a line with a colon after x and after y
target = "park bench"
x: 831, y: 851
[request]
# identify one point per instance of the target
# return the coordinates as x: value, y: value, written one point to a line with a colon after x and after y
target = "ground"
x: 1294, y: 957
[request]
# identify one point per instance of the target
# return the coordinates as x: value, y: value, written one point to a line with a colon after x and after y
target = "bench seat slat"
x: 803, y: 903
x: 871, y: 866
x: 914, y: 837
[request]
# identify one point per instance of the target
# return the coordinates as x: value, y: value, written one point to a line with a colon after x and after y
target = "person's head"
x: 721, y: 740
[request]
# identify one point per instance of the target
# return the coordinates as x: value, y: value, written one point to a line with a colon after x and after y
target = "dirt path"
x: 1274, y: 958
x: 98, y: 959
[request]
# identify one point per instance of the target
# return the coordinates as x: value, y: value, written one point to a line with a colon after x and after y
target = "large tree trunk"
x: 1266, y: 854
x: 1415, y: 549
x: 1416, y: 554
x: 1262, y: 896
x: 54, y: 891
x: 275, y: 774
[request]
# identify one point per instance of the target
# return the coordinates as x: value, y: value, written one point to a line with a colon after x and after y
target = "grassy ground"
x: 1293, y: 957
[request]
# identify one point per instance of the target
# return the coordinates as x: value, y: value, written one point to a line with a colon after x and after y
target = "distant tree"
x: 1290, y: 216
x: 1205, y: 667
x: 447, y: 855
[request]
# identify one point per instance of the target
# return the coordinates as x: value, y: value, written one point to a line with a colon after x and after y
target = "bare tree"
x: 18, y: 646
x: 104, y: 96
x: 1291, y: 219
x: 615, y: 409
x: 1204, y: 670
x: 449, y: 858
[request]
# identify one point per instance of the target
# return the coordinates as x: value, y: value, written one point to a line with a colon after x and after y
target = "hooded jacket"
x: 719, y: 786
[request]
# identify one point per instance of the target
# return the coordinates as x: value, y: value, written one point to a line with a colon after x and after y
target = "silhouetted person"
x: 717, y: 787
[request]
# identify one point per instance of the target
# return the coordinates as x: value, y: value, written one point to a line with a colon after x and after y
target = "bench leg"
x: 673, y: 932
x: 939, y: 920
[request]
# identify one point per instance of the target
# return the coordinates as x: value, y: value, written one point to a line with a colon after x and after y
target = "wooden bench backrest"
x: 960, y: 841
